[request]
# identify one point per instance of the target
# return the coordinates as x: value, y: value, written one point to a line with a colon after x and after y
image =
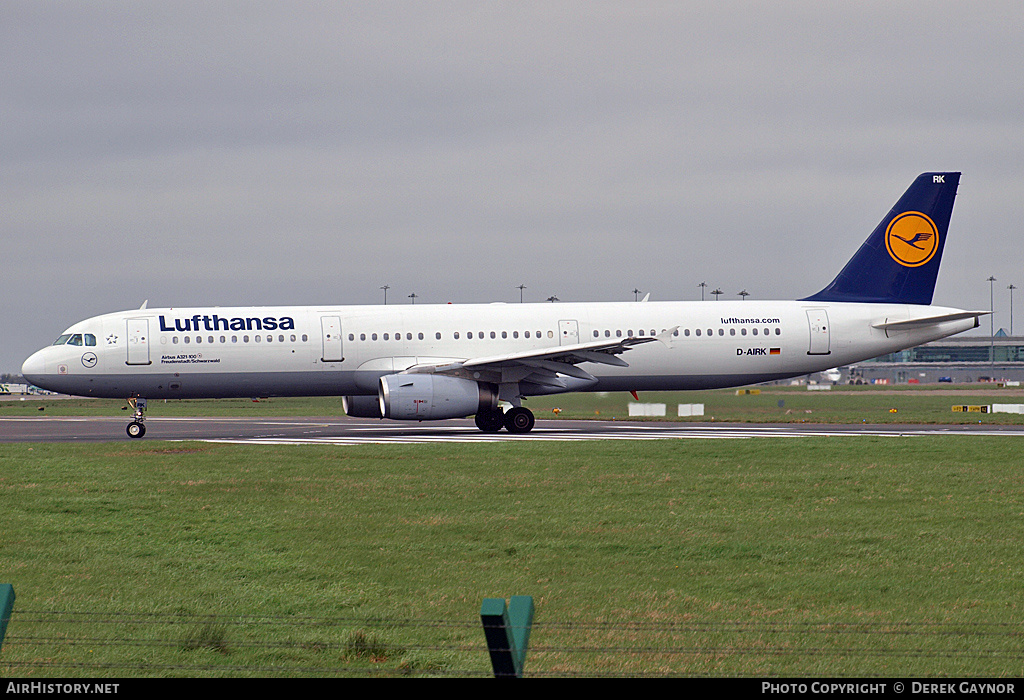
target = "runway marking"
x: 343, y: 432
x: 374, y: 436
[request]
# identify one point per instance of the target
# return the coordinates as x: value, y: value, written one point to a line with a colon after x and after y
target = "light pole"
x: 552, y: 299
x: 521, y: 288
x: 991, y: 306
x: 702, y: 285
x: 385, y: 288
x: 636, y: 294
x: 991, y: 320
x: 413, y: 297
x: 1011, y: 288
x: 716, y: 291
x: 744, y: 294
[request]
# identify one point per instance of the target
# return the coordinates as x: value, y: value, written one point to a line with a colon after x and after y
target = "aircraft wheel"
x: 519, y: 420
x: 136, y: 429
x: 490, y: 421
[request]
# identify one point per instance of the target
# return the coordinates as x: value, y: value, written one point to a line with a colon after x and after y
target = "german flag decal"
x: 775, y: 351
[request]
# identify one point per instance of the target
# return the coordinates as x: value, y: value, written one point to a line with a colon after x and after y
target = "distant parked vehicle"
x: 946, y: 380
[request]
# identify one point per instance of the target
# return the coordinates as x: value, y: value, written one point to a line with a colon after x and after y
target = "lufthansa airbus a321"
x: 433, y: 362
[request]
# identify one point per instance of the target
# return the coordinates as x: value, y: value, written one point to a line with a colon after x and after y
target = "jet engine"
x: 361, y: 406
x: 433, y: 397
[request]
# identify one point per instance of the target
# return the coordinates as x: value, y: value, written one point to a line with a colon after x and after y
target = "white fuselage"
x: 344, y: 350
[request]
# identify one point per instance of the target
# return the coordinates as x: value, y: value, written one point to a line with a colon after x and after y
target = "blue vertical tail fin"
x: 899, y: 262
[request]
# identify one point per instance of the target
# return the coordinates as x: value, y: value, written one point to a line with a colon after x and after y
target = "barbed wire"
x: 114, y: 618
x: 310, y: 670
x: 928, y: 628
x: 551, y: 636
x: 538, y: 649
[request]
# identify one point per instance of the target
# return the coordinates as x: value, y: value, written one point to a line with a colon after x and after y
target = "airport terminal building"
x: 959, y: 360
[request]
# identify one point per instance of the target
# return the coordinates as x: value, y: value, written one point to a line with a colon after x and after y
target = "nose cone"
x: 34, y: 369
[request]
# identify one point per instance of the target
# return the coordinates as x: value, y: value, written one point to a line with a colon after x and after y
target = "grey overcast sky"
x: 237, y: 153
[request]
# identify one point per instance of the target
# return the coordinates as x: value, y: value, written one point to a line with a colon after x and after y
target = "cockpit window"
x: 90, y: 340
x: 76, y: 339
x: 63, y: 339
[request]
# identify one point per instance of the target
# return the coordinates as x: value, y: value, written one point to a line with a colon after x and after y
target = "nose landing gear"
x: 137, y: 428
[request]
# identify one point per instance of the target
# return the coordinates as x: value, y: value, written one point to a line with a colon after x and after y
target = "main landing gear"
x: 137, y: 428
x: 515, y: 420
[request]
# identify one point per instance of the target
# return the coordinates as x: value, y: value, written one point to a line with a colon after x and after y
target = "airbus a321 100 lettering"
x: 433, y: 362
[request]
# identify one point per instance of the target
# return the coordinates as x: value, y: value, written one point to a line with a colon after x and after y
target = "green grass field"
x: 767, y: 557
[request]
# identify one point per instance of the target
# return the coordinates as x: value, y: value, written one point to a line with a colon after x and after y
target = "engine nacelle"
x: 433, y: 397
x: 361, y: 406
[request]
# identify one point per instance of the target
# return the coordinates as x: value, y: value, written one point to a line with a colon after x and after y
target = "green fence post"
x: 6, y: 608
x: 507, y: 630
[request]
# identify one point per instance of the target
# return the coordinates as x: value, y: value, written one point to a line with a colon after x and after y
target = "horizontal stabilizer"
x: 929, y: 321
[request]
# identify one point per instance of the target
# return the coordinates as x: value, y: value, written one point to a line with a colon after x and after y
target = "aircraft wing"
x: 542, y: 366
